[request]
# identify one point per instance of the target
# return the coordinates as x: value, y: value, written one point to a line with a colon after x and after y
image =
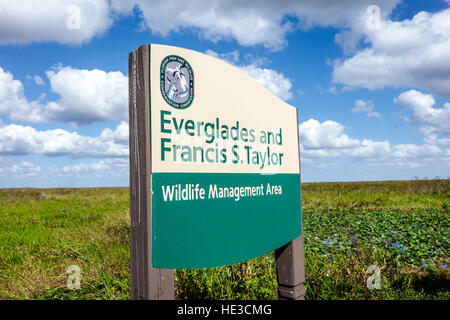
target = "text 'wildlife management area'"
x: 195, y: 192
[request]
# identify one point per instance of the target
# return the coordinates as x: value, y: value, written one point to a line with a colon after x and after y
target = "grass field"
x: 401, y: 227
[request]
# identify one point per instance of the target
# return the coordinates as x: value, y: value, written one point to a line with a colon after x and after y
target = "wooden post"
x: 147, y: 283
x: 291, y: 270
x: 291, y: 262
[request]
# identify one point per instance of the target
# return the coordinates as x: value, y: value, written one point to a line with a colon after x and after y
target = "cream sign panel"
x: 209, y: 116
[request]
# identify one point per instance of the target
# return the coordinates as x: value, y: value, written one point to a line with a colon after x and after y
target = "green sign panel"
x: 225, y: 172
x: 212, y: 219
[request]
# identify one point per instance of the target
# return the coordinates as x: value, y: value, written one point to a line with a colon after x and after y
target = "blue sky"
x: 371, y: 80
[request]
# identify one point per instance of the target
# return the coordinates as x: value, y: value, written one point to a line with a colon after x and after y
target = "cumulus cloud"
x: 408, y: 53
x: 90, y: 95
x: 13, y: 102
x: 415, y: 151
x: 67, y: 22
x: 262, y: 22
x: 23, y: 140
x: 370, y: 149
x: 432, y: 120
x: 274, y: 81
x: 328, y: 140
x: 432, y: 138
x: 86, y: 96
x: 326, y: 135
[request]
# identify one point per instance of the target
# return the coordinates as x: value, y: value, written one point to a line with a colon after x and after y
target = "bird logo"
x: 177, y: 82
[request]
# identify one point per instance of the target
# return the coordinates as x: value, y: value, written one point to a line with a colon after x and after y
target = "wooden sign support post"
x: 148, y: 283
x: 291, y: 262
x: 290, y: 270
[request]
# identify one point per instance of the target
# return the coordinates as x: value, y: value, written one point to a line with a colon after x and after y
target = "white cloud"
x: 423, y: 113
x: 252, y: 22
x: 230, y: 57
x: 10, y: 89
x: 248, y: 22
x: 415, y: 151
x: 22, y: 140
x: 86, y: 96
x: 408, y: 53
x: 89, y: 95
x: 374, y: 114
x: 24, y: 169
x: 370, y: 149
x: 111, y: 166
x: 363, y: 106
x: 84, y: 173
x: 67, y: 22
x: 274, y: 81
x: 13, y: 102
x: 85, y: 167
x: 366, y: 107
x: 119, y: 135
x: 326, y: 135
x: 432, y: 138
x: 434, y: 123
x: 37, y: 79
x: 328, y: 140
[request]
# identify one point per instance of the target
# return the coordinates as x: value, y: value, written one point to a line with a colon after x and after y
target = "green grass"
x: 400, y: 226
x: 43, y: 232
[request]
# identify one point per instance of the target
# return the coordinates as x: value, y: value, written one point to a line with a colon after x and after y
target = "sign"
x: 224, y: 163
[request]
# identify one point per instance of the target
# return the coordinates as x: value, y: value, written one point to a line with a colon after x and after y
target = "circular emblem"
x: 177, y: 82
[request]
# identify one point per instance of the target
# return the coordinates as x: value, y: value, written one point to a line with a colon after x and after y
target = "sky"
x: 371, y: 81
